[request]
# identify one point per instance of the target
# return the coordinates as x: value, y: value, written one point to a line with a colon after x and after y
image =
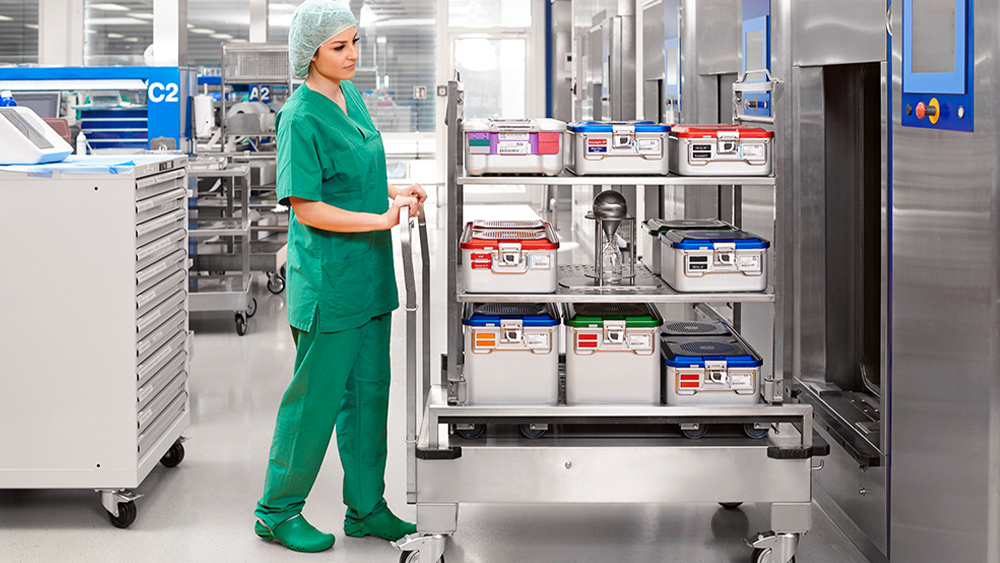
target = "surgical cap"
x: 315, y: 22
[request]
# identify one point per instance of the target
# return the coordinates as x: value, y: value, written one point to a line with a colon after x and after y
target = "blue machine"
x: 938, y: 66
x: 756, y: 54
x: 168, y: 98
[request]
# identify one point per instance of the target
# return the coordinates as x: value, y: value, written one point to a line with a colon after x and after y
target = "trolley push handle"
x: 412, y: 305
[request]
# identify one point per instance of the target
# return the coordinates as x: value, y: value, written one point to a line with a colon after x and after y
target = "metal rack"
x: 260, y: 65
x: 95, y: 325
x: 445, y: 470
x: 212, y: 287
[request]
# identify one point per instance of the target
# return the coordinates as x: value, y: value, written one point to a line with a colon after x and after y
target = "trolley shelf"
x: 566, y: 178
x: 797, y: 413
x: 655, y: 291
x: 219, y: 227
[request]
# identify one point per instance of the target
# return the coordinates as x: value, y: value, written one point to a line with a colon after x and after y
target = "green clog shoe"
x: 296, y: 534
x: 381, y: 523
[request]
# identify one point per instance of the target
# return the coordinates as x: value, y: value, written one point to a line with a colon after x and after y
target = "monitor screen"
x: 45, y: 104
x: 933, y: 37
x: 30, y: 133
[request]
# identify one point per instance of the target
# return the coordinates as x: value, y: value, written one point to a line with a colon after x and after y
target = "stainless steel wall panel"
x: 809, y: 242
x: 945, y: 477
x: 719, y: 30
x: 653, y: 47
x: 842, y: 32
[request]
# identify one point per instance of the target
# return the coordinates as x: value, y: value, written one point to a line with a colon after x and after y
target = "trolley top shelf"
x: 566, y: 178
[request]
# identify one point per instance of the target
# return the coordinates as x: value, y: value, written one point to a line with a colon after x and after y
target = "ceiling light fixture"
x: 221, y: 36
x: 4, y: 18
x: 142, y: 15
x: 108, y: 7
x: 202, y: 31
x: 115, y: 36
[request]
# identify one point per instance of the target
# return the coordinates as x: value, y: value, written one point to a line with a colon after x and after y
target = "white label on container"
x: 513, y: 147
x: 640, y: 341
x: 749, y: 262
x: 741, y: 380
x: 753, y: 151
x: 540, y: 261
x: 649, y: 146
x: 537, y: 340
x: 513, y: 136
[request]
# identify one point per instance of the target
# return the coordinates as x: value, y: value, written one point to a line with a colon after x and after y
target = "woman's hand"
x: 391, y: 217
x: 413, y: 190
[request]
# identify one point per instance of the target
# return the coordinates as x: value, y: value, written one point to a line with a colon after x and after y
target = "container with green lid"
x: 612, y: 353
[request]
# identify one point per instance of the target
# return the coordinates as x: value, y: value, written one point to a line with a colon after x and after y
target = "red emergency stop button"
x: 921, y: 110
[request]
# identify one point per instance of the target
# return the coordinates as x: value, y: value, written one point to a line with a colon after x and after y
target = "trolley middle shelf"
x: 566, y: 178
x: 653, y: 290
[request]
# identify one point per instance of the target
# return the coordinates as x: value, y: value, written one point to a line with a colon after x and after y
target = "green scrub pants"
x: 340, y: 378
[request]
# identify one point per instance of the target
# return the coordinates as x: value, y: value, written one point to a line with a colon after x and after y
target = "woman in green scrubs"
x: 341, y: 288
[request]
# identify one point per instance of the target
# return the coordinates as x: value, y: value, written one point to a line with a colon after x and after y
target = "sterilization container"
x: 618, y: 147
x: 612, y: 353
x: 513, y: 146
x: 512, y: 353
x: 720, y: 150
x: 717, y: 370
x: 694, y: 328
x: 509, y: 257
x: 692, y: 261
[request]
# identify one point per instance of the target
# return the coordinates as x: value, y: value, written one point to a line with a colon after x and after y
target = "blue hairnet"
x: 315, y: 22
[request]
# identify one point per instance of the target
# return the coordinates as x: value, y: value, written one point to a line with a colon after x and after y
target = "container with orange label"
x: 511, y: 353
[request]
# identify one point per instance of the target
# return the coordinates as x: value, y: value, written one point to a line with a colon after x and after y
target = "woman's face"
x: 335, y: 59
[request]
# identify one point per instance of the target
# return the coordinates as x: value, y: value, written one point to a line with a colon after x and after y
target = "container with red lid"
x: 720, y: 150
x: 509, y: 257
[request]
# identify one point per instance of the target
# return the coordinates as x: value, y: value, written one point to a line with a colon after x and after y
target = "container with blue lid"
x: 618, y: 147
x: 721, y: 370
x: 493, y: 314
x: 713, y: 261
x: 511, y: 353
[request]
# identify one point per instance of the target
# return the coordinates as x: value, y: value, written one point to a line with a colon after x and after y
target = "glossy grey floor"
x: 202, y: 509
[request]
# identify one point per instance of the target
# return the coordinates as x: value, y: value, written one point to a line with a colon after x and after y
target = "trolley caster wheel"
x: 764, y: 556
x: 282, y: 273
x: 530, y: 433
x: 252, y: 307
x: 473, y: 433
x: 730, y: 505
x: 126, y: 515
x: 413, y: 557
x: 241, y: 323
x: 696, y: 433
x: 275, y: 284
x: 174, y: 456
x: 755, y: 433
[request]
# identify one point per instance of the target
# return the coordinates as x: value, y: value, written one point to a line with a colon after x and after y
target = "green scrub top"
x: 337, y: 281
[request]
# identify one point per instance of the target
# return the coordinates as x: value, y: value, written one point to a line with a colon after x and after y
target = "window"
x: 18, y: 31
x: 117, y: 33
x: 489, y: 13
x: 212, y: 23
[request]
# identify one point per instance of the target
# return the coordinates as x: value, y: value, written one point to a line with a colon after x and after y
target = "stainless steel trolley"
x: 445, y: 470
x: 219, y: 290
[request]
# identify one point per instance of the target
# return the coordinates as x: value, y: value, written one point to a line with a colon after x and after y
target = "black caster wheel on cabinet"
x: 413, y: 557
x: 241, y: 323
x: 126, y: 515
x: 755, y: 433
x: 531, y: 433
x: 473, y: 433
x: 252, y: 307
x: 174, y: 456
x: 763, y: 556
x: 275, y: 283
x: 695, y: 434
x: 730, y: 505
